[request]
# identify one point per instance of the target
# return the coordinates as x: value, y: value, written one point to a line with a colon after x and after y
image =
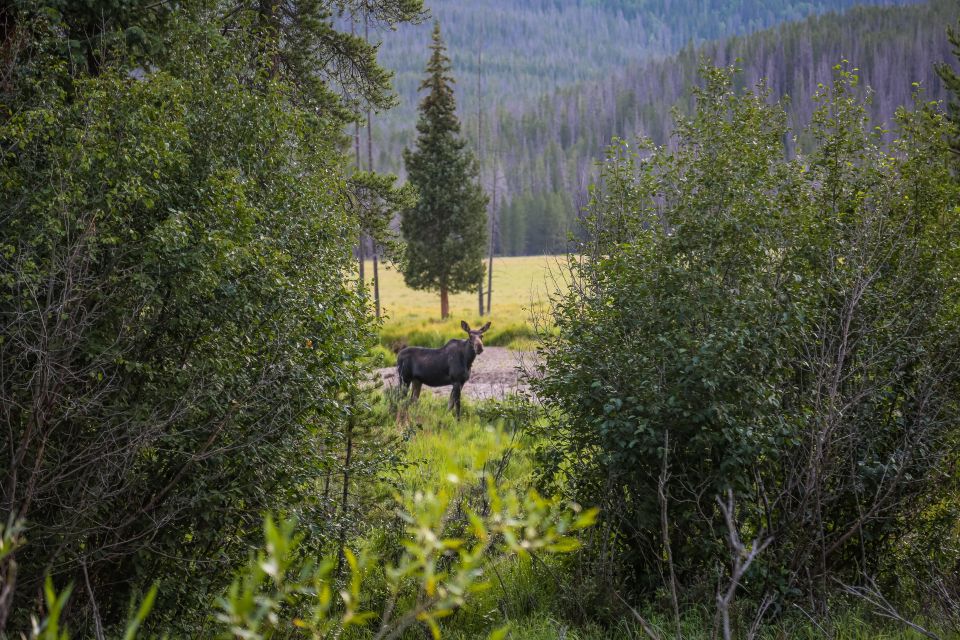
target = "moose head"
x: 476, y: 335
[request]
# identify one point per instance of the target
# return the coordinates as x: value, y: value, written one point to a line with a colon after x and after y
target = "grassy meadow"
x: 521, y: 290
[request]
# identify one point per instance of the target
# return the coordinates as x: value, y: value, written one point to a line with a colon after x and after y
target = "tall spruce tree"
x: 446, y: 231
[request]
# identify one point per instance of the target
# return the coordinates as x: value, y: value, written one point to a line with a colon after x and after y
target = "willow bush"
x: 782, y: 328
x: 180, y: 341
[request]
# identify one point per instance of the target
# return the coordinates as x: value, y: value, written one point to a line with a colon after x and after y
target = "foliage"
x: 377, y: 201
x: 851, y: 624
x: 281, y: 593
x: 446, y: 230
x: 544, y: 152
x: 527, y: 50
x: 90, y: 34
x: 327, y: 69
x: 436, y: 573
x: 50, y: 626
x: 782, y: 328
x: 180, y: 338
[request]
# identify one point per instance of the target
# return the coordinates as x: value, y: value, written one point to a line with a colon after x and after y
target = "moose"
x: 450, y: 364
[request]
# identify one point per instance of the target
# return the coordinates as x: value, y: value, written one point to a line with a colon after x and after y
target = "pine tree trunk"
x: 373, y: 241
x: 345, y: 497
x: 376, y: 281
x: 444, y: 303
x: 480, y: 144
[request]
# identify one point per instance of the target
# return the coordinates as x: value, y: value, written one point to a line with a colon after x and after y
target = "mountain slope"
x: 532, y: 47
x: 545, y: 156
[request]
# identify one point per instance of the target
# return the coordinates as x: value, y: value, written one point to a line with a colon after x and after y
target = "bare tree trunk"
x: 444, y: 302
x: 362, y: 258
x: 376, y: 281
x: 480, y: 144
x: 663, y: 495
x: 493, y: 229
x: 8, y: 582
x: 361, y: 255
x: 95, y: 610
x: 373, y: 242
x: 356, y: 125
x: 345, y: 497
x: 741, y: 559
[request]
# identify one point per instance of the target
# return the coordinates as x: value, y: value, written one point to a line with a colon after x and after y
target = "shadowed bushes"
x: 782, y: 332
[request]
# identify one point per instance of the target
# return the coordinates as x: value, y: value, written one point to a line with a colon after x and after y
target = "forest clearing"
x: 710, y: 387
x: 521, y: 285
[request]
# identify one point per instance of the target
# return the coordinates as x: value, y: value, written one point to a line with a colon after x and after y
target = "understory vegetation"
x: 745, y: 420
x: 756, y: 372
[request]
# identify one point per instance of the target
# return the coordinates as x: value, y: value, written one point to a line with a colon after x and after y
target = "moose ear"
x: 484, y: 327
x: 465, y: 326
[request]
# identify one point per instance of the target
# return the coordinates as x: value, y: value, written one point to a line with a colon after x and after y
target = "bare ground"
x: 496, y: 372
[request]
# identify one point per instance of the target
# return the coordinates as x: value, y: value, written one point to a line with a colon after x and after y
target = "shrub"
x: 283, y: 591
x: 785, y: 329
x: 180, y: 341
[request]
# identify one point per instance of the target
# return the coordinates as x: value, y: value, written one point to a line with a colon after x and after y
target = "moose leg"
x: 454, y: 402
x: 416, y: 390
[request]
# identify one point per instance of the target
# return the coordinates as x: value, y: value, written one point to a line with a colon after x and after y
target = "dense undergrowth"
x: 528, y: 595
x: 540, y: 597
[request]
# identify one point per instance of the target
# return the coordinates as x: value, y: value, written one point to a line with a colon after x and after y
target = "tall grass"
x: 436, y: 443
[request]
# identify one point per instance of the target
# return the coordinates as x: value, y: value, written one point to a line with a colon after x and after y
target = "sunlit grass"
x: 522, y: 287
x: 437, y: 444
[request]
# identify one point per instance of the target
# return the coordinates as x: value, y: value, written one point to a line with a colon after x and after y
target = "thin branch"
x: 882, y: 607
x: 742, y: 559
x: 647, y: 629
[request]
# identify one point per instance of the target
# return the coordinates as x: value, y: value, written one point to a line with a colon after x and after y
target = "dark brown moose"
x: 450, y: 364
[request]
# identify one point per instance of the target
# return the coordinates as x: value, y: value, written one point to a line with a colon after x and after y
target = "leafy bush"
x: 284, y: 592
x: 181, y: 343
x: 782, y: 328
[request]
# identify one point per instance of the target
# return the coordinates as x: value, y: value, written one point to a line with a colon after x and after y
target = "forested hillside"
x: 546, y: 155
x: 531, y: 48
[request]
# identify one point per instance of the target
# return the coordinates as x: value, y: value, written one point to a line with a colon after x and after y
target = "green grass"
x: 522, y: 287
x: 848, y: 626
x: 436, y: 444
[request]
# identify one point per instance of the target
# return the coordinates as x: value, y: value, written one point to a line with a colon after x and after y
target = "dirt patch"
x: 496, y: 372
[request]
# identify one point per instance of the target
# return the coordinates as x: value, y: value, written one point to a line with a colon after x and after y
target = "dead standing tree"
x: 741, y: 557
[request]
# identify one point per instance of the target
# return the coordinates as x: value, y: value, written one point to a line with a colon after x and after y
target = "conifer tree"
x: 446, y: 231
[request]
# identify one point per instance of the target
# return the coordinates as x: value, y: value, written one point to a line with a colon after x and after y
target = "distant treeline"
x: 531, y: 48
x: 545, y: 158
